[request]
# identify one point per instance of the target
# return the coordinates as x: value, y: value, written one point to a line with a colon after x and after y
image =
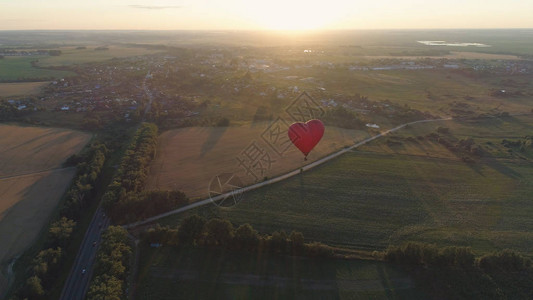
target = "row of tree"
x: 112, y: 264
x: 125, y: 200
x: 456, y: 273
x: 89, y: 167
x: 196, y: 231
x: 45, y: 268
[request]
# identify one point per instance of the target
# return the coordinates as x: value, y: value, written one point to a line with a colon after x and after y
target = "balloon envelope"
x: 306, y: 135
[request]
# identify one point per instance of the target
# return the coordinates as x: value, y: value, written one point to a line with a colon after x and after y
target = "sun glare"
x: 291, y: 15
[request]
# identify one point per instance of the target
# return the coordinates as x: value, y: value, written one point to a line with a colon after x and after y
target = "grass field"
x: 377, y: 196
x: 207, y: 274
x: 17, y: 68
x: 28, y: 194
x: 21, y: 88
x: 425, y: 90
x: 187, y: 159
x: 71, y: 55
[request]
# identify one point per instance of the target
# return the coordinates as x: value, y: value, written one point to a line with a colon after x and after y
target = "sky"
x: 265, y: 14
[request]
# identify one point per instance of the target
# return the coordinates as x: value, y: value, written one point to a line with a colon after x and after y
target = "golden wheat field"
x: 32, y: 180
x: 188, y: 159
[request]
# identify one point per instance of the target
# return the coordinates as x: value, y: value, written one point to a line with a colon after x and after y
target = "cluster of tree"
x: 8, y: 111
x: 54, y: 52
x: 223, y: 122
x: 521, y: 145
x: 138, y: 206
x: 45, y: 267
x: 387, y: 109
x: 112, y: 264
x: 464, y: 147
x: 199, y: 232
x: 461, y: 110
x: 416, y: 254
x: 343, y: 118
x: 404, y: 114
x: 124, y: 200
x: 456, y: 273
x: 92, y: 122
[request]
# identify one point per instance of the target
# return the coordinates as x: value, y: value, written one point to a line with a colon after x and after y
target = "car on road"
x: 94, y: 244
x: 83, y: 271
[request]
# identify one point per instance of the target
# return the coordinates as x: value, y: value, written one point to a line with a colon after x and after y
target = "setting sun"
x: 294, y: 15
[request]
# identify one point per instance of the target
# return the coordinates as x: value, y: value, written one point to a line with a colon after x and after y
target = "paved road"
x: 149, y: 95
x: 77, y: 283
x: 275, y: 179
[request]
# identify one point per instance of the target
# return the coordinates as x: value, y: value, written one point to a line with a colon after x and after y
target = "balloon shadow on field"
x: 214, y: 136
x: 303, y: 194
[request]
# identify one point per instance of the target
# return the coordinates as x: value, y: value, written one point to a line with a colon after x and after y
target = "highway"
x: 77, y: 283
x: 276, y: 179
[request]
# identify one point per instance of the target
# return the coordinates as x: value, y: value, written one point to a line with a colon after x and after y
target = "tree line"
x: 196, y: 231
x: 125, y: 201
x: 111, y: 267
x: 456, y: 273
x: 44, y: 269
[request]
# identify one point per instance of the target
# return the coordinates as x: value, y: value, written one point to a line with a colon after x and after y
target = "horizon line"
x: 284, y: 30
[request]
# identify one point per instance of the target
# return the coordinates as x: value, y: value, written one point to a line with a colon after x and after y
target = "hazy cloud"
x: 154, y: 6
x: 23, y: 20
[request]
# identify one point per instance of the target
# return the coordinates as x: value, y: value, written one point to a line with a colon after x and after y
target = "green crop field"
x: 426, y: 90
x: 207, y: 274
x: 71, y: 55
x: 380, y: 195
x: 18, y: 68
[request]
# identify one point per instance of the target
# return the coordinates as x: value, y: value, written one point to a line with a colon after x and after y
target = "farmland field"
x: 17, y: 68
x: 382, y: 194
x: 207, y: 274
x: 71, y: 55
x: 27, y: 202
x: 32, y: 149
x: 21, y: 88
x: 187, y: 159
x: 31, y: 181
x: 426, y: 90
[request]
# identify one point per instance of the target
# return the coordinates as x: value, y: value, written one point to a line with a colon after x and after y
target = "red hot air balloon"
x: 306, y: 135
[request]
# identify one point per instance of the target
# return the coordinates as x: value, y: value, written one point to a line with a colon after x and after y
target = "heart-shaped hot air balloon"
x: 306, y: 135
